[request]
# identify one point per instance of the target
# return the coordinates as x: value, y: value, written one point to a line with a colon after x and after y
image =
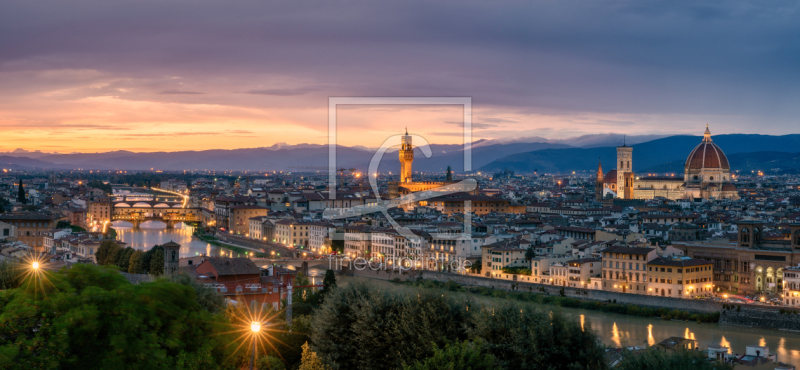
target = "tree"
x: 449, y: 176
x: 329, y: 281
x: 63, y: 224
x: 21, y: 194
x: 337, y: 245
x: 530, y: 253
x: 310, y: 361
x: 207, y: 298
x: 270, y: 363
x: 157, y: 263
x: 304, y: 300
x: 106, y: 188
x: 477, y: 266
x: 5, y: 205
x: 135, y: 263
x: 360, y: 327
x: 148, y: 257
x: 465, y: 355
x: 110, y: 233
x: 522, y: 337
x: 123, y: 258
x: 107, y: 252
x: 653, y: 359
x: 93, y: 318
x: 10, y: 275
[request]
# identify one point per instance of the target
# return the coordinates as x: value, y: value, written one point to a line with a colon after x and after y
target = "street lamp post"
x: 255, y: 327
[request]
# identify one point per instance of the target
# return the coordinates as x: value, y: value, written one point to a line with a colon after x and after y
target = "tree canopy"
x: 91, y: 317
x: 653, y: 359
x: 463, y: 356
x: 359, y: 327
x: 107, y: 252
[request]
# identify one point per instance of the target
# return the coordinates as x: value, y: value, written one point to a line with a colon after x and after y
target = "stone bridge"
x: 165, y: 212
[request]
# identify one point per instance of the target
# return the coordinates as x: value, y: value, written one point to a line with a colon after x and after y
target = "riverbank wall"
x: 773, y: 319
x: 690, y: 305
x: 266, y: 247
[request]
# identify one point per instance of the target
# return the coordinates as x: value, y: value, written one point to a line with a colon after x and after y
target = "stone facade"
x: 752, y: 265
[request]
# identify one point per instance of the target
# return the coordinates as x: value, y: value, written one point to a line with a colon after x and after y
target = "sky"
x: 146, y: 75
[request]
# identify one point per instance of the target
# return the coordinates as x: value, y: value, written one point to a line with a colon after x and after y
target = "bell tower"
x: 406, y: 157
x: 624, y: 171
x: 598, y: 185
x: 171, y: 255
x: 750, y: 233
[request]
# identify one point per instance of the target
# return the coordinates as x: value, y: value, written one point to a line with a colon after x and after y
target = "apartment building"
x: 357, y: 241
x: 500, y: 255
x: 7, y: 230
x: 319, y: 234
x: 240, y: 215
x: 382, y: 244
x: 680, y: 277
x: 584, y: 273
x: 222, y: 209
x: 558, y: 274
x: 98, y: 212
x: 625, y: 268
x: 31, y: 227
x: 292, y: 232
x: 791, y: 286
x: 255, y: 229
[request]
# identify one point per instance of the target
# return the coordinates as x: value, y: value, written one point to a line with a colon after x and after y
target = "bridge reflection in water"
x: 154, y: 232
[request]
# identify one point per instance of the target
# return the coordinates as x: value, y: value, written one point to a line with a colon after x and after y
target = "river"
x: 620, y: 330
x: 154, y: 232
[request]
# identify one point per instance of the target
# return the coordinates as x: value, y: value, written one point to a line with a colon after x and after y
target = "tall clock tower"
x: 406, y: 157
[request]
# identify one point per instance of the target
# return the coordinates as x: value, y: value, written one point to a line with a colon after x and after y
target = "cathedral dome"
x: 707, y: 155
x: 611, y: 177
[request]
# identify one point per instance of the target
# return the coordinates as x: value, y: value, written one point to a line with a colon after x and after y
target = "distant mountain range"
x: 744, y: 162
x: 671, y: 152
x: 554, y: 156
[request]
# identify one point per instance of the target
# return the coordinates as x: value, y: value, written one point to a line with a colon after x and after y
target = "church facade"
x: 707, y: 174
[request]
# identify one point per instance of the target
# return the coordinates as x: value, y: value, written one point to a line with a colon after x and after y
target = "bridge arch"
x: 122, y: 223
x: 142, y: 205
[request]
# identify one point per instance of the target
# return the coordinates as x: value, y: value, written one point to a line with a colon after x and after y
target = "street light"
x: 255, y: 327
x: 35, y: 265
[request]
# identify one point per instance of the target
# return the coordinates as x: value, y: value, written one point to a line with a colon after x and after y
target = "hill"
x: 283, y: 158
x: 744, y: 162
x: 646, y: 156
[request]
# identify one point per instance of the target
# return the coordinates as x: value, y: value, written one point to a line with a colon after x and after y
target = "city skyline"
x: 470, y: 184
x: 155, y: 78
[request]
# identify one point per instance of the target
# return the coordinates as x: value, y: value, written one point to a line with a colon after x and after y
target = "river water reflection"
x: 622, y: 330
x: 153, y: 232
